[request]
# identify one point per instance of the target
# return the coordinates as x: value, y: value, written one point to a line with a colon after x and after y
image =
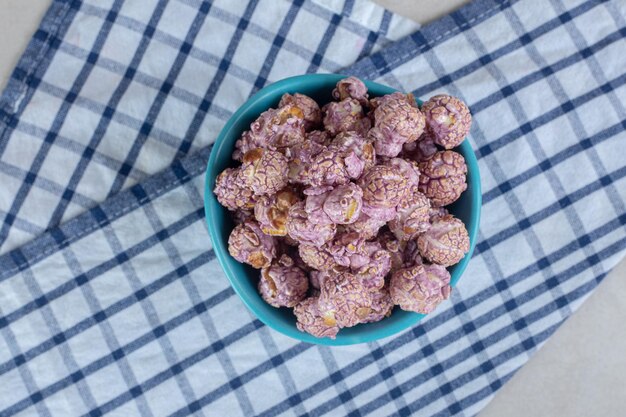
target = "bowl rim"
x: 221, y: 250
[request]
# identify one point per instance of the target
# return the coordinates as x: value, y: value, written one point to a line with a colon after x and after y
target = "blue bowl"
x: 244, y: 278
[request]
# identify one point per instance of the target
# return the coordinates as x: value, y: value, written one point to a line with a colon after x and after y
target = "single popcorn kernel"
x: 448, y: 120
x: 345, y: 116
x: 396, y: 121
x: 442, y: 178
x: 311, y: 112
x: 231, y: 192
x: 351, y: 87
x: 310, y: 320
x: 264, y: 171
x: 248, y: 244
x: 381, y: 306
x: 344, y: 301
x: 412, y: 216
x: 271, y: 212
x: 283, y: 284
x: 301, y: 229
x: 383, y: 188
x: 420, y: 288
x: 274, y: 129
x: 446, y: 242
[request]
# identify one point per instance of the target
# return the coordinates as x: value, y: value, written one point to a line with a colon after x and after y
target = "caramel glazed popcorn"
x: 343, y: 207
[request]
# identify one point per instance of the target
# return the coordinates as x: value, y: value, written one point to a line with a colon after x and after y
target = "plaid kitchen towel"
x: 111, y: 301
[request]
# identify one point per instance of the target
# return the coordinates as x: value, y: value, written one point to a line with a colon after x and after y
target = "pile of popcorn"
x: 342, y: 207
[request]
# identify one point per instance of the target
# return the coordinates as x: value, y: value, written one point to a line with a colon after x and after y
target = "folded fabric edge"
x: 430, y: 35
x: 33, y: 63
x: 180, y: 172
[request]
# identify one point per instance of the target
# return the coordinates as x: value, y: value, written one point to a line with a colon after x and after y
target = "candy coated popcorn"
x: 412, y: 215
x: 274, y: 129
x: 310, y: 320
x: 301, y: 229
x: 442, y: 177
x: 231, y: 190
x: 248, y: 244
x: 283, y: 284
x: 363, y: 149
x: 447, y: 119
x: 351, y: 87
x: 408, y: 169
x: 446, y: 241
x: 264, y: 171
x: 327, y: 169
x: 271, y: 212
x: 372, y: 273
x: 317, y: 257
x: 342, y: 206
x: 381, y: 306
x: 396, y: 121
x: 344, y: 300
x: 309, y: 107
x: 345, y: 116
x: 420, y: 288
x: 348, y: 250
x: 300, y: 157
x: 383, y: 188
x: 365, y: 225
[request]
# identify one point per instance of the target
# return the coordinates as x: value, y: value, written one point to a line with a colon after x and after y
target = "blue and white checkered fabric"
x: 116, y: 305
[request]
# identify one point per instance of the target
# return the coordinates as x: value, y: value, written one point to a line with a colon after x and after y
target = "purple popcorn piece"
x: 381, y: 307
x: 274, y: 129
x: 301, y: 229
x: 383, y: 188
x: 412, y: 215
x: 264, y: 171
x: 300, y: 158
x: 327, y: 169
x: 446, y: 242
x: 372, y: 273
x: 344, y: 300
x: 231, y: 191
x: 314, y: 207
x: 310, y: 320
x: 365, y: 226
x: 345, y: 116
x: 348, y: 250
x: 352, y: 142
x: 271, y: 212
x: 397, y: 121
x: 442, y: 178
x: 248, y: 244
x: 351, y: 87
x: 310, y: 109
x: 408, y: 169
x: 317, y: 257
x: 343, y: 204
x: 283, y: 284
x: 448, y: 120
x: 420, y: 288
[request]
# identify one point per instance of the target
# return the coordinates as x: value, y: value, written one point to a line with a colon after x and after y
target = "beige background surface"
x: 580, y: 371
